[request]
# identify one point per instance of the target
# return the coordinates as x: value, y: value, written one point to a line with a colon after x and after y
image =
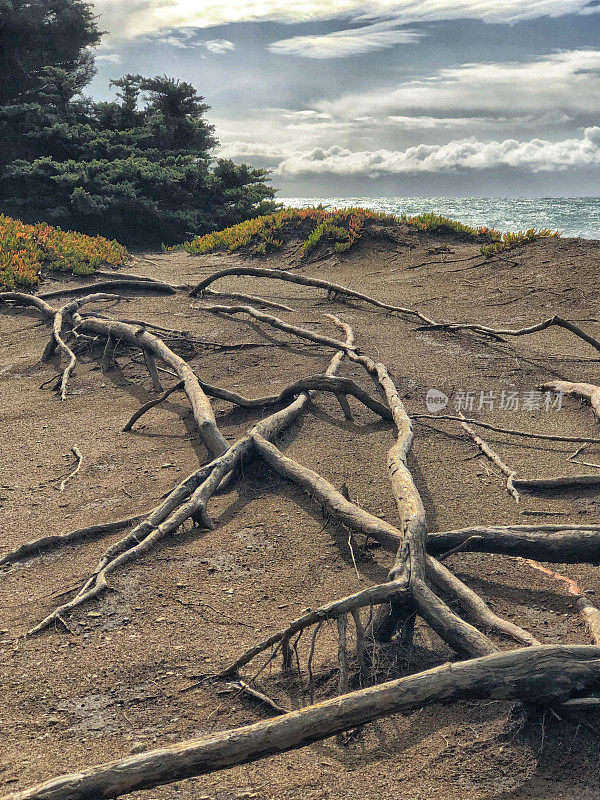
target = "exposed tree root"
x: 588, y: 391
x: 474, y: 606
x: 559, y: 544
x: 122, y: 284
x: 249, y: 298
x: 275, y: 322
x: 178, y: 387
x: 542, y: 675
x: 560, y: 482
x: 368, y: 597
x: 22, y: 299
x: 589, y: 612
x: 333, y: 289
x: 38, y: 546
x: 510, y: 431
x: 344, y: 291
x: 324, y: 383
x: 494, y: 458
x: 201, y: 408
x: 538, y: 327
x: 188, y: 500
x: 451, y: 628
x: 79, y: 458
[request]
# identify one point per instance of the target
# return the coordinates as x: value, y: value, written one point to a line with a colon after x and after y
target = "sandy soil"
x: 124, y: 678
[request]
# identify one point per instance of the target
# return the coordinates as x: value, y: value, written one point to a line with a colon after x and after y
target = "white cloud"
x: 566, y: 81
x: 219, y: 45
x: 416, y: 122
x: 186, y: 40
x: 342, y: 44
x: 239, y: 150
x: 435, y: 123
x: 137, y: 17
x: 536, y: 155
x: 111, y: 58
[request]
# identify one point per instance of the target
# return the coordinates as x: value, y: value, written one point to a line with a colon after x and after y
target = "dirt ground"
x: 125, y: 677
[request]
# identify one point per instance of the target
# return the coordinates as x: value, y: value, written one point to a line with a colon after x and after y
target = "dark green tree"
x: 44, y: 33
x: 138, y: 169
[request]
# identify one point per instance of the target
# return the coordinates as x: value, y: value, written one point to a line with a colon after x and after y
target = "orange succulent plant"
x: 27, y: 249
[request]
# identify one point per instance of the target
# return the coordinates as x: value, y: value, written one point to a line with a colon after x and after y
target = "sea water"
x: 572, y: 216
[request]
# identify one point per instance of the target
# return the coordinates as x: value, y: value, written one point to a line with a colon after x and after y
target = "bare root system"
x: 418, y: 585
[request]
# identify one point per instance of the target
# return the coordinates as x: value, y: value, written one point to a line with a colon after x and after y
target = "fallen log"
x: 543, y: 675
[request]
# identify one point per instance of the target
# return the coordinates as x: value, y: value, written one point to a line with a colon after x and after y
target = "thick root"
x: 542, y: 675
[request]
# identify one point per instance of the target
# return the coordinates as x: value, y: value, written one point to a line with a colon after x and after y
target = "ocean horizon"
x: 572, y: 216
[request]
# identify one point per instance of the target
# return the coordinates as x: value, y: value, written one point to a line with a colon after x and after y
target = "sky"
x: 370, y: 98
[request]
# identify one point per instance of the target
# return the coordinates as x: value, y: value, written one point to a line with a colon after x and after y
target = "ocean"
x: 573, y: 216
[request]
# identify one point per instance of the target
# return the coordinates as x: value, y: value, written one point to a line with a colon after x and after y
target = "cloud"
x: 188, y: 39
x: 219, y: 45
x: 111, y: 58
x: 565, y: 81
x: 138, y: 17
x: 255, y: 149
x: 536, y: 155
x: 342, y: 44
x: 416, y: 122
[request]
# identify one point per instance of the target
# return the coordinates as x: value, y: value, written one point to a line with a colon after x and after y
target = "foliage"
x: 342, y: 228
x: 44, y: 33
x: 436, y: 223
x: 138, y: 169
x: 510, y: 240
x: 26, y: 249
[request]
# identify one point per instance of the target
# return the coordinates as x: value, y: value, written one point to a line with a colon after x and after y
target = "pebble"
x: 137, y: 747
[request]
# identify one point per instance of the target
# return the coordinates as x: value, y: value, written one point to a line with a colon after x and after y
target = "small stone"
x: 94, y: 614
x: 137, y: 747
